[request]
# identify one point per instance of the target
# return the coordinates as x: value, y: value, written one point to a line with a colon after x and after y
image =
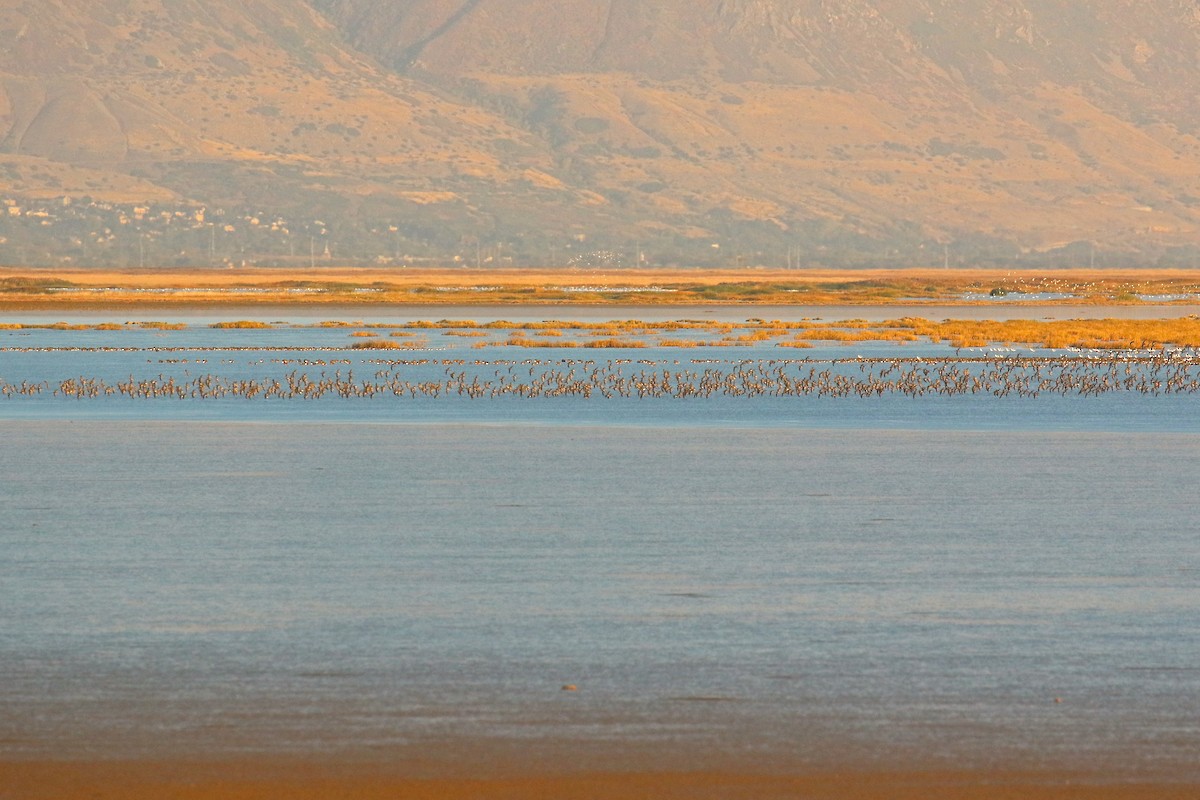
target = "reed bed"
x: 247, y: 324
x: 438, y: 287
x: 1100, y: 334
x: 1093, y: 334
x: 1025, y: 377
x: 1110, y: 334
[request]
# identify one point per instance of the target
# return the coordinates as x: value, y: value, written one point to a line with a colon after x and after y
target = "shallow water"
x: 199, y: 353
x: 174, y: 587
x: 887, y: 581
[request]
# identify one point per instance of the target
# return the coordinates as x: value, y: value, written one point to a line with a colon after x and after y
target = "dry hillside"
x: 901, y: 131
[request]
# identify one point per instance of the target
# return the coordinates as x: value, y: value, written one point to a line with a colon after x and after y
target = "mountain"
x: 872, y: 132
x: 254, y: 105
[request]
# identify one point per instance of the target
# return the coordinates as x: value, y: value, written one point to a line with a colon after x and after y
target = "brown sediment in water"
x: 296, y: 779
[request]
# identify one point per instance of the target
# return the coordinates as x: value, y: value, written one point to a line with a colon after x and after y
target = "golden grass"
x: 1118, y: 334
x: 160, y: 326
x: 613, y: 343
x: 518, y: 340
x: 241, y: 324
x: 1108, y: 334
x: 101, y: 326
x: 1103, y: 334
x: 749, y: 286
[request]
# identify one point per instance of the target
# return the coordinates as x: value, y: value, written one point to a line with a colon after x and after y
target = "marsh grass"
x: 1100, y: 334
x: 733, y: 287
x: 613, y: 343
x: 517, y: 340
x: 1097, y: 334
x: 160, y: 326
x: 247, y: 324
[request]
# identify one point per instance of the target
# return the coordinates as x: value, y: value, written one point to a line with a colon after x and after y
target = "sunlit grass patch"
x: 518, y: 340
x: 838, y: 335
x: 158, y: 325
x: 613, y: 343
x: 1100, y: 334
x: 248, y: 324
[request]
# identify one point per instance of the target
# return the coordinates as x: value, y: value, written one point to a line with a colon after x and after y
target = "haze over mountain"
x: 874, y: 132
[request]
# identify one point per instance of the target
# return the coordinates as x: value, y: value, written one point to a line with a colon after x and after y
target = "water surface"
x: 973, y: 581
x: 868, y: 596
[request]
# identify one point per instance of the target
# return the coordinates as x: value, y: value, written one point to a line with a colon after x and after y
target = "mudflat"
x: 294, y: 779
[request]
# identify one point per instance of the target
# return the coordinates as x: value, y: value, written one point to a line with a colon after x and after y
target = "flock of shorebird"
x: 1022, y: 376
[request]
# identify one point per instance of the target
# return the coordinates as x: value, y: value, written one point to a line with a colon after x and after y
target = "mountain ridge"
x: 880, y: 131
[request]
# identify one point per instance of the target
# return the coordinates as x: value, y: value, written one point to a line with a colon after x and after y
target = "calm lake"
x: 967, y: 581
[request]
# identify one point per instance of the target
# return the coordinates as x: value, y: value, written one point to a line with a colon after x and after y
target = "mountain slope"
x: 881, y: 131
x: 1128, y: 53
x: 223, y: 102
x: 1030, y: 122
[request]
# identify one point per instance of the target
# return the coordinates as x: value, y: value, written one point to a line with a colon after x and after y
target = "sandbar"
x: 306, y: 779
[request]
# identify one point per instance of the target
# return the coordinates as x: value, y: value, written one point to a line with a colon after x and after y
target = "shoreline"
x: 303, y: 779
x: 73, y: 288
